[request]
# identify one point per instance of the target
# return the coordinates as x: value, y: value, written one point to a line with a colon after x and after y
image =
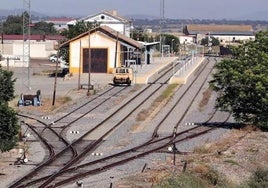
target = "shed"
x: 108, y: 48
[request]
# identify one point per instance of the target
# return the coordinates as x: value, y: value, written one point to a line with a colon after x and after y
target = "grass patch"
x: 259, y: 179
x: 232, y: 162
x: 142, y: 115
x: 169, y: 91
x: 205, y: 99
x: 204, y: 149
x: 163, y: 98
x: 183, y: 181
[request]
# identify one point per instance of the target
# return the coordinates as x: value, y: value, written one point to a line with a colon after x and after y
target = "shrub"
x: 183, y: 181
x: 259, y: 179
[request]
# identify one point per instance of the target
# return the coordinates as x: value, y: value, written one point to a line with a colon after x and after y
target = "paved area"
x: 65, y: 86
x: 69, y: 85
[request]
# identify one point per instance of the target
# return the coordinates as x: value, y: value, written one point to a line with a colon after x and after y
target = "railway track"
x: 46, y: 181
x: 85, y: 148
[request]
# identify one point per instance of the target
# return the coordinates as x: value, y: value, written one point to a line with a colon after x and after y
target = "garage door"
x: 98, y: 60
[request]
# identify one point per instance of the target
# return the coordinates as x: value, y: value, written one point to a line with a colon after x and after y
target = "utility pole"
x: 26, y: 39
x: 162, y: 18
x: 89, y: 63
x: 2, y: 37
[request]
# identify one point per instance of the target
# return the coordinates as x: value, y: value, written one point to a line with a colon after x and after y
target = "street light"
x: 173, y: 147
x: 172, y: 47
x: 174, y: 150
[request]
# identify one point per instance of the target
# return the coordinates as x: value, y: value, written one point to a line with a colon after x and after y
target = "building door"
x: 98, y: 60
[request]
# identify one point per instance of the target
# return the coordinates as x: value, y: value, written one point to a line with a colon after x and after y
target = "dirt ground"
x: 233, y: 157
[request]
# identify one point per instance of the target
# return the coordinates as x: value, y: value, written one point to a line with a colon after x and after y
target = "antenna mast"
x: 26, y: 40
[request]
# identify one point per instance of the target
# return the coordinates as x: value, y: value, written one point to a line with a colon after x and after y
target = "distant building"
x: 110, y: 19
x: 59, y: 23
x: 41, y: 46
x: 224, y: 33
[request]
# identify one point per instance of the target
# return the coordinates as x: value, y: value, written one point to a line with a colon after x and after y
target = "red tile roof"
x: 111, y: 33
x: 218, y: 29
x: 60, y: 20
x: 33, y: 37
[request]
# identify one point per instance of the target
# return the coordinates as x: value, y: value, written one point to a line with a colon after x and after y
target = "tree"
x: 77, y: 29
x: 172, y: 41
x: 242, y: 82
x: 43, y: 28
x: 214, y: 41
x: 139, y: 34
x: 9, y: 127
x: 14, y: 26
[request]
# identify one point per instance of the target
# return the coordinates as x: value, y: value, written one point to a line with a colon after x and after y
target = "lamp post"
x: 89, y: 63
x: 173, y: 147
x: 172, y: 47
x: 174, y: 150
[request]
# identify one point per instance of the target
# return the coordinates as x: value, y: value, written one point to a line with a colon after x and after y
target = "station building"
x: 108, y: 47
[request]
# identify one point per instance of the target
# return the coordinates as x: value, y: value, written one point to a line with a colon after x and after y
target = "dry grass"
x: 205, y: 99
x: 46, y: 106
x: 159, y: 101
x: 241, y: 152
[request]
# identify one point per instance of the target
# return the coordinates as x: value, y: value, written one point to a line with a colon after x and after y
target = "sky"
x: 177, y: 9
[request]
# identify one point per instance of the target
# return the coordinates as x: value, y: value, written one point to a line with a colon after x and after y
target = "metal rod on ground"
x: 174, y: 156
x: 184, y: 165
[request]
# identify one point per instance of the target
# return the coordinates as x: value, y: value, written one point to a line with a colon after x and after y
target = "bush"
x: 183, y: 181
x: 259, y: 179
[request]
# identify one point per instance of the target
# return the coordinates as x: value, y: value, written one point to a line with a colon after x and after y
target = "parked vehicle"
x: 63, y: 64
x: 123, y: 75
x: 53, y: 58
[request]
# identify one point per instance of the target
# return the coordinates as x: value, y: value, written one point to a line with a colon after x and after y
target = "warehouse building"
x: 226, y: 34
x: 108, y: 48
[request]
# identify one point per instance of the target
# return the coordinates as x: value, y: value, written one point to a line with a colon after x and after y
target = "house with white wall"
x: 59, y: 23
x: 108, y: 18
x: 41, y: 46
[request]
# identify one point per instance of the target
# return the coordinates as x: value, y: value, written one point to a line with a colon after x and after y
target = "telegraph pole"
x: 89, y: 63
x: 162, y: 18
x: 26, y: 39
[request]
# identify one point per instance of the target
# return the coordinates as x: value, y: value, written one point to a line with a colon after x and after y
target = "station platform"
x: 143, y: 73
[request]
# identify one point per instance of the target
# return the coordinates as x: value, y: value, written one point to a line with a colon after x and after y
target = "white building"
x: 224, y: 33
x: 59, y: 23
x: 110, y: 19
